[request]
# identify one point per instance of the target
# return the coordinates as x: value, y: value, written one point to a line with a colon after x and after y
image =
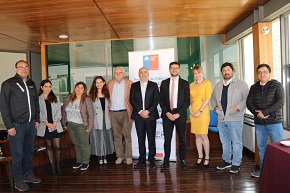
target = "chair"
x: 213, y: 122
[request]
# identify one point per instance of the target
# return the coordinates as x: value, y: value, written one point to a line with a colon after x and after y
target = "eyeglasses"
x: 262, y: 72
x: 22, y: 68
x: 171, y: 68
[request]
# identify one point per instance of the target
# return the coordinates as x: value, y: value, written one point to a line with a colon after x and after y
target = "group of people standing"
x: 99, y: 122
x: 229, y: 99
x: 27, y: 113
x: 265, y: 100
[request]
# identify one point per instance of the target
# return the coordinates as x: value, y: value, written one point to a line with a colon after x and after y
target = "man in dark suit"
x: 174, y: 101
x: 144, y: 98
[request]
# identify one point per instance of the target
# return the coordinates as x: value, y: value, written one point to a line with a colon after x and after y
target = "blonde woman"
x: 200, y: 94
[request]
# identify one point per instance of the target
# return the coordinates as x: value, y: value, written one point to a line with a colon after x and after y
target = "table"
x: 275, y: 176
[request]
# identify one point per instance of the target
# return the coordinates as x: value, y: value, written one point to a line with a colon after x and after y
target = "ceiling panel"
x: 26, y: 23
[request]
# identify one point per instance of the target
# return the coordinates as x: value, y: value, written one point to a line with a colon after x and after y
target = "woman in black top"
x: 50, y: 127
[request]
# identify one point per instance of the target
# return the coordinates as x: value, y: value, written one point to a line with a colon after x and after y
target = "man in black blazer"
x: 174, y: 101
x: 144, y: 98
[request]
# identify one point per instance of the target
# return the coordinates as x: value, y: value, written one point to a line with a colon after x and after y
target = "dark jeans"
x: 22, y: 149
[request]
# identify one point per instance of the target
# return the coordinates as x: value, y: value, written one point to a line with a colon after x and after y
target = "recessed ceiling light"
x: 79, y: 45
x: 63, y: 36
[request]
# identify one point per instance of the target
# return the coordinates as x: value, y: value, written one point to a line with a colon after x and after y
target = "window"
x: 276, y: 71
x: 248, y: 59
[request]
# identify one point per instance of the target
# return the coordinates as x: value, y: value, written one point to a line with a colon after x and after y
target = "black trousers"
x: 143, y: 127
x: 168, y: 126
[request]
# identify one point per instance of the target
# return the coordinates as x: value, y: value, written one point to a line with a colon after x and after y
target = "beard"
x: 227, y: 76
x: 174, y: 75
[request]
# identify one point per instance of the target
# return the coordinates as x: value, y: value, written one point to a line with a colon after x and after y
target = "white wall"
x: 7, y: 64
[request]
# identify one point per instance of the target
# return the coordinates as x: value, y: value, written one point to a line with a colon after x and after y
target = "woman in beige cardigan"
x: 78, y: 117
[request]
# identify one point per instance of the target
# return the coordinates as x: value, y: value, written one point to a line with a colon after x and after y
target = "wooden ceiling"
x: 24, y: 24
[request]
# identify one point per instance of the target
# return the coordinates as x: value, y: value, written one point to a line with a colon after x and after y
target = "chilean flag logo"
x: 151, y: 62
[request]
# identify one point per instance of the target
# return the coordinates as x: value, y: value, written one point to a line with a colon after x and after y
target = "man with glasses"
x: 174, y: 101
x: 265, y: 101
x: 19, y: 107
x: 120, y: 111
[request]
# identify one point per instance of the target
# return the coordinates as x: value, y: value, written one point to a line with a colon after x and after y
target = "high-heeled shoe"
x: 205, y: 166
x: 52, y: 170
x: 58, y: 171
x: 197, y: 165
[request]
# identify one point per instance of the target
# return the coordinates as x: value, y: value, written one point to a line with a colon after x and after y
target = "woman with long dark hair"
x: 101, y: 137
x: 78, y: 117
x: 50, y: 127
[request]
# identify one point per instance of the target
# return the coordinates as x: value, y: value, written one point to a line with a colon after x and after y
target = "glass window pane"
x: 58, y: 75
x: 276, y: 50
x: 248, y: 59
x: 213, y: 53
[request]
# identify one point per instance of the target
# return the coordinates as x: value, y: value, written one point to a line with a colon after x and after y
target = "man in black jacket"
x: 19, y: 107
x: 265, y: 101
x: 174, y: 101
x: 144, y: 98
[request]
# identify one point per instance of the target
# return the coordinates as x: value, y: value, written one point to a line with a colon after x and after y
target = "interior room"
x: 71, y: 41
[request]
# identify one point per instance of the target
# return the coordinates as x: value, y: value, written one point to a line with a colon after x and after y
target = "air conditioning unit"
x: 249, y: 137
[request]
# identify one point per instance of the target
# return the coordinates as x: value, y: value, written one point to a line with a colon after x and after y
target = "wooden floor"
x: 112, y: 178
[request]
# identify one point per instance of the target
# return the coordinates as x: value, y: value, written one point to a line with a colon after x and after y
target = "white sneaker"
x: 256, y: 174
x: 105, y: 161
x: 101, y: 162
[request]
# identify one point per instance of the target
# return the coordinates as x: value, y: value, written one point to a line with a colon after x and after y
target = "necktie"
x: 172, y: 95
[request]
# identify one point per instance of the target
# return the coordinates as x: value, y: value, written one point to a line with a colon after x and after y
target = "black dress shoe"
x: 153, y: 165
x: 59, y: 172
x: 183, y: 164
x: 164, y: 165
x: 198, y: 165
x: 207, y: 165
x: 139, y: 164
x: 52, y: 171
